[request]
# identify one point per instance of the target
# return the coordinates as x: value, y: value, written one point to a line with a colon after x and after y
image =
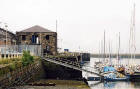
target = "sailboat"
x: 106, y: 68
x: 117, y: 74
x: 133, y: 71
x: 120, y: 69
x: 130, y: 68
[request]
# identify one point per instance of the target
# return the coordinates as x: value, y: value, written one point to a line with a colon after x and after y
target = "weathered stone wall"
x: 51, y: 42
x: 22, y: 75
x: 55, y: 71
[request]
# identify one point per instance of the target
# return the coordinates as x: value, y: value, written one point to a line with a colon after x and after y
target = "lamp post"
x: 5, y: 38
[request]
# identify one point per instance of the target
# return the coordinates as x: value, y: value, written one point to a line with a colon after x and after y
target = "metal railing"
x: 12, y: 51
x: 71, y: 64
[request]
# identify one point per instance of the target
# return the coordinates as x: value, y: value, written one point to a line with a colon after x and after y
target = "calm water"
x: 111, y: 85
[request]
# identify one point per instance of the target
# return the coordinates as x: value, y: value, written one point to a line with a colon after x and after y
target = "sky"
x: 81, y: 23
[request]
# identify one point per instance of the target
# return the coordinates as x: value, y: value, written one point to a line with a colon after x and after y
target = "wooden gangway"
x: 71, y: 64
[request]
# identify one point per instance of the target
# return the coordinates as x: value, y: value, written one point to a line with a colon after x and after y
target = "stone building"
x: 7, y: 37
x: 38, y: 35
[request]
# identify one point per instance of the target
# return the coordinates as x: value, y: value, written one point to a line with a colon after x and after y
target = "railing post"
x: 12, y: 56
x: 4, y: 56
x: 0, y: 56
x: 8, y: 56
x: 17, y: 55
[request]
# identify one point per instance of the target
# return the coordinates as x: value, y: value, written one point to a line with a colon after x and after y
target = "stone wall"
x: 22, y: 75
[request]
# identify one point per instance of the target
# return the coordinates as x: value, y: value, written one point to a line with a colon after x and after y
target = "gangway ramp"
x: 70, y: 64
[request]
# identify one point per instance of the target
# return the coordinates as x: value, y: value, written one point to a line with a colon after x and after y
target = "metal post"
x: 6, y: 39
x: 104, y: 46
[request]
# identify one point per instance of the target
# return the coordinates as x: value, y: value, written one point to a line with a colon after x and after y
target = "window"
x: 35, y: 39
x: 48, y: 48
x: 47, y: 37
x: 23, y: 37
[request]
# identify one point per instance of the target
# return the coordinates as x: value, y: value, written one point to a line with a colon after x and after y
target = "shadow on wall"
x: 54, y: 71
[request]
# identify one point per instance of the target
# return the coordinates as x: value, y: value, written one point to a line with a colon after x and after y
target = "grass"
x: 7, y: 61
x: 8, y: 65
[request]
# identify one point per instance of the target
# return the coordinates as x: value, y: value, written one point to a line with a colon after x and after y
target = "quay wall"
x: 55, y: 71
x: 22, y: 75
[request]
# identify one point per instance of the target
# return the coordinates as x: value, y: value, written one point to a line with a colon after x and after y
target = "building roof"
x: 3, y: 30
x: 36, y: 28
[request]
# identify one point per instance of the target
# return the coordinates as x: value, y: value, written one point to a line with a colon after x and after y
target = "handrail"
x: 74, y: 65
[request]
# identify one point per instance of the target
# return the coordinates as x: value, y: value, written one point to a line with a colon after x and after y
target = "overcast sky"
x: 81, y: 23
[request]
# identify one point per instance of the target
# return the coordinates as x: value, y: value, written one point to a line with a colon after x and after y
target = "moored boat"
x: 116, y: 77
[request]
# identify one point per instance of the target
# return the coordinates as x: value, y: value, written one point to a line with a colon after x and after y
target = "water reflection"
x: 114, y: 85
x: 109, y: 85
x: 102, y: 85
x: 136, y: 84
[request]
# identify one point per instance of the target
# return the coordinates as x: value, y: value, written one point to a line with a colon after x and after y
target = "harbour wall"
x: 22, y: 75
x: 55, y: 71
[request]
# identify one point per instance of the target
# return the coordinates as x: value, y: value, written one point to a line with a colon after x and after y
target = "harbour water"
x: 111, y: 85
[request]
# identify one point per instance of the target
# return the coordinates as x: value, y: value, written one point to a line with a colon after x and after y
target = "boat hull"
x: 135, y: 76
x: 94, y: 79
x: 116, y: 79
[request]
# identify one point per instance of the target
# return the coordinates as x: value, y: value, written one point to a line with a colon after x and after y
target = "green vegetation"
x: 8, y: 61
x: 8, y: 65
x: 27, y: 58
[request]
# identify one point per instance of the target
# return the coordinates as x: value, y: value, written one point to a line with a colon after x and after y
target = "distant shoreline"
x: 137, y: 56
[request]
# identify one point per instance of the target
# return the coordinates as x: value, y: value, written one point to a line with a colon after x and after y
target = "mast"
x: 109, y: 54
x: 56, y: 26
x: 132, y: 46
x: 119, y: 50
x: 134, y: 29
x: 102, y: 49
x: 104, y: 46
x: 99, y: 52
x: 57, y: 49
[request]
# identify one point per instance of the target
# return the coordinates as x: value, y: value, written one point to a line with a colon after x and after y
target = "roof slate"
x: 36, y: 28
